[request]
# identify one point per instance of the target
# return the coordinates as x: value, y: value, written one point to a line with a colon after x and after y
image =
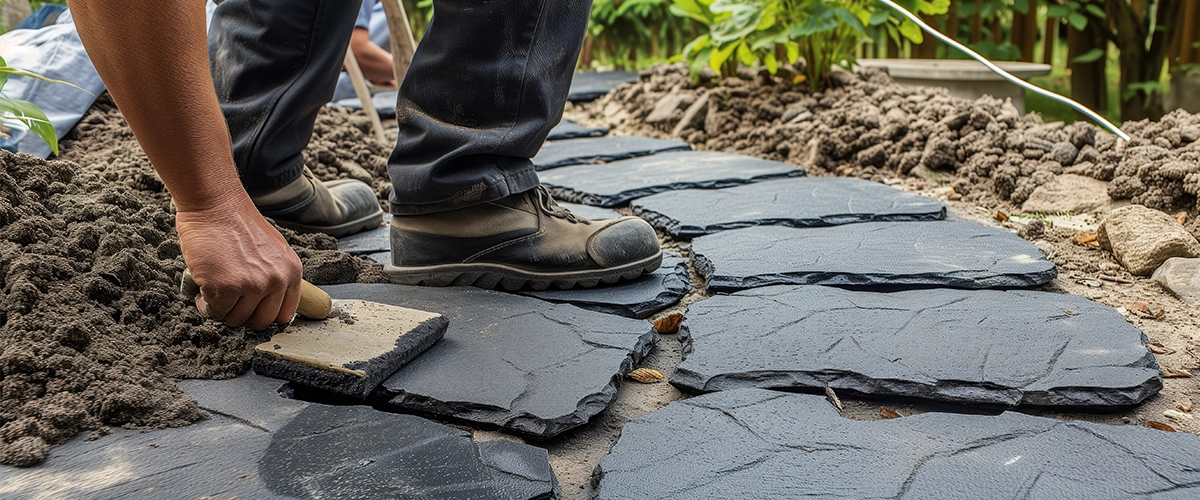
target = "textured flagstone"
x: 567, y: 129
x: 754, y: 443
x: 590, y: 85
x: 259, y: 445
x: 385, y: 103
x: 636, y: 298
x: 519, y: 363
x: 871, y: 255
x: 798, y: 202
x: 615, y: 184
x: 601, y: 150
x: 964, y: 346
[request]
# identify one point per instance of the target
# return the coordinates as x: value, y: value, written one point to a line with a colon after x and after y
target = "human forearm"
x: 153, y: 57
x: 376, y: 63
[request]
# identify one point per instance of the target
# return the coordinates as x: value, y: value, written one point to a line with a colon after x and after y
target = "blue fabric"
x: 364, y: 14
x: 371, y: 17
x: 45, y: 15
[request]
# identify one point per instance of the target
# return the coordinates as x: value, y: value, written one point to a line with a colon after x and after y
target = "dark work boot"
x: 336, y: 208
x: 525, y: 239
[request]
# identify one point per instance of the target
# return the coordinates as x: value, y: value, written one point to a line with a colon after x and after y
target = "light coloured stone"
x: 1142, y: 238
x: 1068, y: 193
x: 1181, y: 277
x: 667, y: 105
x: 693, y: 117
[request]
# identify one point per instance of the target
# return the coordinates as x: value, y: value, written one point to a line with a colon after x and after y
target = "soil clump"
x: 93, y: 330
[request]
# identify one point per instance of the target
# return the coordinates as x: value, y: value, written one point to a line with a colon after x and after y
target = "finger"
x: 266, y: 312
x: 242, y: 311
x: 210, y: 308
x: 291, y: 300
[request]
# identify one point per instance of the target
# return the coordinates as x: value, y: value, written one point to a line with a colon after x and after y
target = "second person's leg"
x: 487, y: 83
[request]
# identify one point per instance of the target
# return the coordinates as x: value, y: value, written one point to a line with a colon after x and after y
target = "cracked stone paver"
x: 797, y: 202
x: 871, y: 255
x: 637, y: 298
x: 754, y: 443
x: 518, y: 363
x: 567, y: 129
x: 617, y: 183
x: 601, y: 150
x: 260, y: 445
x: 963, y: 346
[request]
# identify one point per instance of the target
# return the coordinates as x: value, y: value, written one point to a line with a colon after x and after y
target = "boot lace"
x: 548, y: 206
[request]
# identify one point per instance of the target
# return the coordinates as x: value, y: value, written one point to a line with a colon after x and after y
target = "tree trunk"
x: 1139, y: 63
x: 1089, y: 84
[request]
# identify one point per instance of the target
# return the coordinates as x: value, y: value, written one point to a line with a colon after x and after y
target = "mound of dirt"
x: 867, y: 126
x: 93, y: 331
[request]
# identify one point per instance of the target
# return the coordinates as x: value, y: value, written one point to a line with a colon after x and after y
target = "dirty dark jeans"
x: 487, y: 83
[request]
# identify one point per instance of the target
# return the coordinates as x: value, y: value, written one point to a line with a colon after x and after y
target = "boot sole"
x: 492, y: 276
x: 369, y: 222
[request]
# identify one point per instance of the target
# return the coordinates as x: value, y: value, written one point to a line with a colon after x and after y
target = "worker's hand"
x: 247, y: 273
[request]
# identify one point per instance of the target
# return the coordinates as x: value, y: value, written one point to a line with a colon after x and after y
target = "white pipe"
x: 1006, y: 75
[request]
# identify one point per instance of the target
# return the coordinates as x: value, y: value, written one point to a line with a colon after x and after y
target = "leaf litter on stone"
x: 1144, y: 310
x: 646, y: 375
x: 1158, y: 348
x: 1087, y: 239
x: 669, y: 324
x: 886, y: 412
x: 1154, y: 424
x: 1168, y: 372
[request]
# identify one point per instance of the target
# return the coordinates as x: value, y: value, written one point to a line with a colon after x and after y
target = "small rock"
x: 667, y: 105
x: 1034, y: 230
x: 693, y: 117
x: 1190, y: 134
x: 1142, y: 238
x: 1068, y: 193
x: 1181, y: 277
x: 1064, y: 153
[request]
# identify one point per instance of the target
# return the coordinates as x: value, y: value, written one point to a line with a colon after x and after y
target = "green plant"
x: 825, y: 33
x: 25, y: 112
x: 632, y: 34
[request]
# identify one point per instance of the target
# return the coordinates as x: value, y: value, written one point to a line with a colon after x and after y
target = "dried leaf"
x: 1185, y: 405
x: 1168, y: 372
x: 1114, y: 279
x: 669, y: 324
x: 1176, y: 415
x: 798, y: 79
x: 1000, y: 216
x: 886, y: 412
x: 1090, y: 283
x: 1159, y: 425
x: 1181, y: 217
x: 1087, y: 239
x: 645, y: 375
x: 833, y: 399
x: 1143, y: 310
x: 1158, y: 348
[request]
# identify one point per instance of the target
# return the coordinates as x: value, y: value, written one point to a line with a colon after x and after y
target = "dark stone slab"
x: 798, y: 202
x: 1009, y: 348
x: 614, y: 184
x: 590, y: 85
x: 637, y: 298
x: 259, y: 445
x: 755, y: 443
x: 872, y: 255
x: 508, y: 361
x: 385, y: 103
x: 568, y: 129
x: 601, y: 150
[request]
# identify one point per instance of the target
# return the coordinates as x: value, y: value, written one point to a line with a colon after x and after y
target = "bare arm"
x: 153, y: 57
x: 375, y: 62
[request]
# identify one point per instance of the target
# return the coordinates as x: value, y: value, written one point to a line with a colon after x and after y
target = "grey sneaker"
x: 523, y: 240
x: 336, y: 208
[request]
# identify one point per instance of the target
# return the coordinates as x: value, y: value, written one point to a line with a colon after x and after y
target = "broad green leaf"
x: 1095, y: 10
x: 1021, y: 6
x: 700, y: 61
x: 850, y: 20
x: 934, y: 8
x: 695, y: 46
x: 1057, y: 11
x: 772, y: 64
x: 1077, y: 21
x: 878, y: 18
x: 29, y: 114
x: 719, y: 55
x: 746, y: 57
x: 1089, y: 57
x: 793, y: 51
x: 910, y: 31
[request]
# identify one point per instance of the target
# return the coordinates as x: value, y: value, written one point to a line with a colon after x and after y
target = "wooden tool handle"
x: 314, y: 302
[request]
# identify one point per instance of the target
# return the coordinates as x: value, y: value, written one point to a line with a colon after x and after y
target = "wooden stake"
x: 364, y: 95
x: 400, y: 33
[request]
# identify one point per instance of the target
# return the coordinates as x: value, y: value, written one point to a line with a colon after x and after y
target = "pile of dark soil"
x: 93, y: 331
x: 867, y: 126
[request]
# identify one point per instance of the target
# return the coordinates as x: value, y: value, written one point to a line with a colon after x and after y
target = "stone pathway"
x: 812, y: 285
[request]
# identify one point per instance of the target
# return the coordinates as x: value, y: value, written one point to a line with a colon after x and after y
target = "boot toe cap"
x: 625, y: 241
